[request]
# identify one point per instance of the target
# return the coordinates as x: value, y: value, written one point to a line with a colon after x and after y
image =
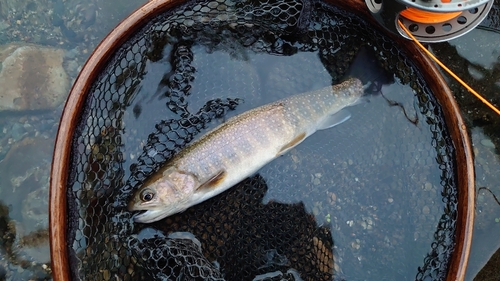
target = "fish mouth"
x: 150, y: 216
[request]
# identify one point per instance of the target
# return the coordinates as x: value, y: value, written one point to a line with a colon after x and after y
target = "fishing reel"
x: 430, y: 20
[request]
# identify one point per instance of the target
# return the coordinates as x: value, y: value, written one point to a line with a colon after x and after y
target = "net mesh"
x: 238, y: 235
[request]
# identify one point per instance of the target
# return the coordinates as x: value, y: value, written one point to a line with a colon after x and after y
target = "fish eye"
x: 147, y: 195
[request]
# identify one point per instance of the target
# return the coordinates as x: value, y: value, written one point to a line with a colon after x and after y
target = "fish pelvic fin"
x: 334, y: 119
x: 215, y: 180
x: 298, y: 139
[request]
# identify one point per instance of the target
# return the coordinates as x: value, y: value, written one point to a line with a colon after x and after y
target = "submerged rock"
x: 24, y: 187
x: 26, y: 170
x: 32, y: 77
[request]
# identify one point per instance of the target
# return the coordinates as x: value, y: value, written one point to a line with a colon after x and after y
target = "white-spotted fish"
x: 239, y: 147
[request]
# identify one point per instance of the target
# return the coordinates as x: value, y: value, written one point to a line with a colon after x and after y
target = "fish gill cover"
x: 382, y: 188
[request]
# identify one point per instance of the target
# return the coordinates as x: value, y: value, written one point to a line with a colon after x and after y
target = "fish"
x: 239, y: 147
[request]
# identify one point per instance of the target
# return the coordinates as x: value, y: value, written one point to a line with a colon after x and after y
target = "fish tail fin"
x: 367, y: 69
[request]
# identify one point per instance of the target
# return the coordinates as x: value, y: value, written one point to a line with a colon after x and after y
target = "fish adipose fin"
x: 298, y: 139
x: 334, y: 119
x: 213, y: 181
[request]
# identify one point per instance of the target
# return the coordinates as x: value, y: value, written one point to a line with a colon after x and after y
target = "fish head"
x: 163, y: 195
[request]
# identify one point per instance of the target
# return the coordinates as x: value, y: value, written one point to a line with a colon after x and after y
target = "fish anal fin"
x: 334, y: 119
x: 298, y: 139
x: 213, y: 181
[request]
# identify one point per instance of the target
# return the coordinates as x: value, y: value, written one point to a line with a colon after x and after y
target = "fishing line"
x: 376, y: 88
x: 487, y: 189
x: 421, y: 16
x: 497, y: 111
x: 414, y: 120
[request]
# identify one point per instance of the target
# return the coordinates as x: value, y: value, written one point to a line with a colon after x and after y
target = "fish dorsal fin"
x: 334, y: 119
x: 298, y: 139
x: 214, y: 180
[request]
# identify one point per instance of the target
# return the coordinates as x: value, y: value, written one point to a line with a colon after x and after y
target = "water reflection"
x: 483, y: 78
x: 474, y: 58
x: 17, y: 262
x: 64, y: 33
x: 490, y: 270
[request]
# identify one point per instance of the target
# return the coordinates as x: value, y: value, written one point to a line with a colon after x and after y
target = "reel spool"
x: 430, y: 20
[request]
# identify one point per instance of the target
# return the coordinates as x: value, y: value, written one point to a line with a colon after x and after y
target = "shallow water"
x: 372, y: 219
x: 380, y: 195
x: 398, y: 157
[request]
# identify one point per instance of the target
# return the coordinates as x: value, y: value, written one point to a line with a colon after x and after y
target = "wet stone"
x: 17, y: 131
x: 487, y: 143
x: 32, y: 77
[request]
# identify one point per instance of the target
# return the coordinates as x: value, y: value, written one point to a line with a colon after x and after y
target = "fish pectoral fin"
x: 334, y: 119
x: 214, y: 180
x: 298, y: 139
